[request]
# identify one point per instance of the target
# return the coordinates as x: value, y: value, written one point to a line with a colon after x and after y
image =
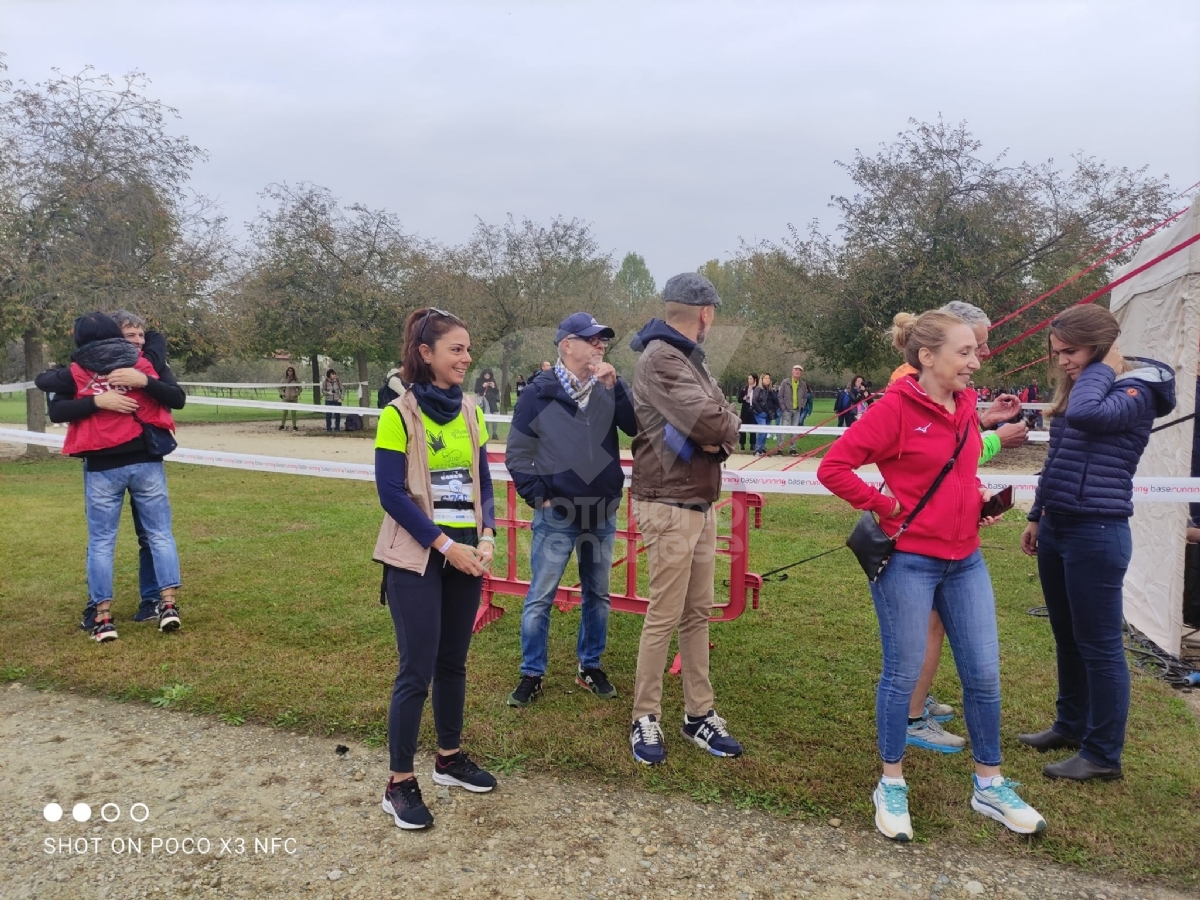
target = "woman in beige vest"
x: 436, y: 542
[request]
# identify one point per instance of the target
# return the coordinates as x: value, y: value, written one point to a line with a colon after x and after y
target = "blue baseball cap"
x: 582, y: 325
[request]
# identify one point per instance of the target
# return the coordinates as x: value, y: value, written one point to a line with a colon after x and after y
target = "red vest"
x: 106, y: 428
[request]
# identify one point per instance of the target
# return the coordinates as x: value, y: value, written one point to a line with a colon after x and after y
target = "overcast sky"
x: 677, y: 129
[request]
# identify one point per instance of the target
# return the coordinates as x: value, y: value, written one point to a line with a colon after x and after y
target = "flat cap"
x: 691, y: 289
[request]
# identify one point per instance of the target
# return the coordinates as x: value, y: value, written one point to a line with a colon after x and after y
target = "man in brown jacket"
x: 685, y: 431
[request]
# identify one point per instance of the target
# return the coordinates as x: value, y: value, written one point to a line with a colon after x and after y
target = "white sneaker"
x: 941, y: 712
x: 891, y: 811
x: 929, y: 735
x: 1000, y: 802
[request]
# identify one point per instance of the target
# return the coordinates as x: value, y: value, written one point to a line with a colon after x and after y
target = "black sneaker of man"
x: 527, y: 691
x: 597, y: 682
x: 459, y: 771
x: 147, y: 611
x: 168, y: 616
x: 89, y: 619
x: 709, y: 733
x: 402, y: 801
x: 104, y: 630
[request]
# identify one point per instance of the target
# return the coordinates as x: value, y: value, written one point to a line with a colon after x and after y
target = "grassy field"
x: 282, y: 626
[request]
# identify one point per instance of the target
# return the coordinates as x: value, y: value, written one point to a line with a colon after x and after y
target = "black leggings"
x: 434, y: 615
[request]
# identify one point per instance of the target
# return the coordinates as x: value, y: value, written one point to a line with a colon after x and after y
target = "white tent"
x: 1159, y: 311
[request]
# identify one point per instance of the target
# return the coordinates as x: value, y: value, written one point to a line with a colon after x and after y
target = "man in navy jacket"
x: 564, y: 459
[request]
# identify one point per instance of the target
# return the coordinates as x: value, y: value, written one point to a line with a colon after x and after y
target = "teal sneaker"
x: 999, y: 801
x: 891, y: 811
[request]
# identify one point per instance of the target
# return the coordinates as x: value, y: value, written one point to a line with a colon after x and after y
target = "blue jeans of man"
x: 104, y: 498
x: 558, y: 531
x: 961, y: 591
x: 147, y: 580
x: 760, y: 439
x: 1082, y: 562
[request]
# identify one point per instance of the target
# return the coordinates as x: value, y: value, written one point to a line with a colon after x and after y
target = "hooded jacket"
x: 679, y: 408
x: 910, y: 438
x: 1095, y: 447
x: 558, y: 452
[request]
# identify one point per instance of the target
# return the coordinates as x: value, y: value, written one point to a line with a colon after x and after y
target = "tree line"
x: 97, y: 212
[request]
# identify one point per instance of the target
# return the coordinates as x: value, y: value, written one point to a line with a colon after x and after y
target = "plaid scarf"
x: 579, y: 391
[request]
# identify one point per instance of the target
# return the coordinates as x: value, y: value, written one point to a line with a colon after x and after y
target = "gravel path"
x: 287, y: 816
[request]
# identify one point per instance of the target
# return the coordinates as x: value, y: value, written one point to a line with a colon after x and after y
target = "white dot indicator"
x: 81, y: 813
x: 52, y: 812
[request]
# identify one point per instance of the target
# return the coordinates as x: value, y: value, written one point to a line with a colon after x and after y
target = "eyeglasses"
x: 599, y: 343
x: 425, y: 321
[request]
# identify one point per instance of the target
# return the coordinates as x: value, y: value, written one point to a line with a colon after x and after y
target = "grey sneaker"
x: 942, y: 712
x: 929, y: 735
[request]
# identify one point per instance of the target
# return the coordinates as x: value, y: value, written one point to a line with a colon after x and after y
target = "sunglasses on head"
x: 425, y: 321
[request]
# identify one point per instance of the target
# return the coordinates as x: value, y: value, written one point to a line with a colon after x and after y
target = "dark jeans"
x: 1082, y: 562
x: 434, y: 615
x: 333, y: 421
x: 846, y: 419
x: 147, y: 581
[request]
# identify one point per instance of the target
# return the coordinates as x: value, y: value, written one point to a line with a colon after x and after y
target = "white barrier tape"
x: 309, y: 407
x: 16, y: 386
x: 262, y: 385
x: 1152, y: 490
x: 1037, y: 437
x: 1024, y: 406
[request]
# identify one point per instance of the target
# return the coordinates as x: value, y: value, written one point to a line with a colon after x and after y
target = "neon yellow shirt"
x: 449, y: 451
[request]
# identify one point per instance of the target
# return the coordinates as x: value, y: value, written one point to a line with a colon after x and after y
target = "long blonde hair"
x: 1088, y: 326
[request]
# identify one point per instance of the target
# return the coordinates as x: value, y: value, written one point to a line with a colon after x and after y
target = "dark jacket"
x: 560, y: 453
x: 766, y: 400
x: 747, y: 405
x: 1095, y: 447
x: 64, y: 407
x: 680, y: 408
x: 784, y: 392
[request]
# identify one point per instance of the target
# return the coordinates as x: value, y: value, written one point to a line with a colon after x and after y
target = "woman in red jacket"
x: 912, y: 432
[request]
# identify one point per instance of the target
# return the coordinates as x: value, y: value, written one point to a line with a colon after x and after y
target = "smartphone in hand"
x: 1001, y: 502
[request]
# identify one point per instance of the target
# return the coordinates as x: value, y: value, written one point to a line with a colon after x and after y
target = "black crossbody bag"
x: 871, y: 546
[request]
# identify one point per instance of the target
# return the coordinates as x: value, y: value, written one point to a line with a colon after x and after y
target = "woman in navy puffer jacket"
x: 1105, y: 405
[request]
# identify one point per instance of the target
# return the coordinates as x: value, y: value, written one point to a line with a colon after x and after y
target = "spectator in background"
x: 332, y: 391
x: 766, y: 408
x: 793, y: 400
x: 520, y: 386
x: 488, y: 393
x: 546, y: 365
x: 746, y: 398
x: 289, y: 395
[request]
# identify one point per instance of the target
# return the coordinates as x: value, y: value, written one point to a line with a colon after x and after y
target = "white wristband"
x: 446, y: 545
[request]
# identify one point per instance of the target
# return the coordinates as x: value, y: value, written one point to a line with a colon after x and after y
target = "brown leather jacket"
x: 673, y: 389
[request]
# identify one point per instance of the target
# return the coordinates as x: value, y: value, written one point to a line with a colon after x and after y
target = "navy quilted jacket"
x: 1096, y: 445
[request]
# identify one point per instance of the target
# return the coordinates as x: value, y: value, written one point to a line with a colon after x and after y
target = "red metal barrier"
x: 735, y: 545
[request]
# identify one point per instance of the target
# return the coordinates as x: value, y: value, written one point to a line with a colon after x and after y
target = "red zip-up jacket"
x: 910, y: 438
x: 106, y: 428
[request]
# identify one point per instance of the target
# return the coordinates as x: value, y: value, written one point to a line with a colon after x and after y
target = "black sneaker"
x: 459, y: 771
x: 709, y: 733
x: 104, y: 630
x: 527, y: 691
x: 147, y: 611
x: 89, y: 619
x: 168, y: 616
x: 402, y: 801
x: 597, y: 682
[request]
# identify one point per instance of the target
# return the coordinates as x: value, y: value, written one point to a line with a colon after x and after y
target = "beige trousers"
x: 681, y: 549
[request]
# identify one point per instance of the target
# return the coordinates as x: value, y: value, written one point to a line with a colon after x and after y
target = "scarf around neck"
x: 579, y: 391
x: 443, y: 406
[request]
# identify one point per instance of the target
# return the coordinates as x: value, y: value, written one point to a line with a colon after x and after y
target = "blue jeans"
x: 333, y: 421
x: 1082, y: 562
x: 147, y: 581
x: 760, y: 440
x: 557, y: 531
x: 104, y: 498
x: 961, y: 592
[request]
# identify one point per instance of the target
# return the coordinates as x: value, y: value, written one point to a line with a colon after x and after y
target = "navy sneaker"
x: 646, y: 738
x: 402, y: 801
x: 709, y: 733
x: 526, y: 691
x: 459, y: 771
x: 89, y: 619
x: 147, y: 611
